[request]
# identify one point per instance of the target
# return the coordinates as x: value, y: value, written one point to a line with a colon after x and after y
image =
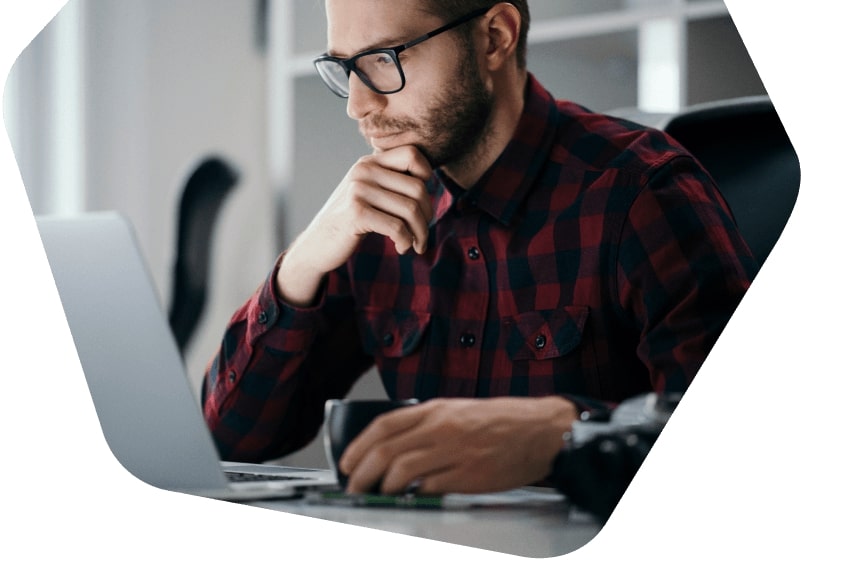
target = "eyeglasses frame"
x: 349, y: 65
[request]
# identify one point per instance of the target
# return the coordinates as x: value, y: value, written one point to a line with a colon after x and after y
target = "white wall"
x: 164, y: 83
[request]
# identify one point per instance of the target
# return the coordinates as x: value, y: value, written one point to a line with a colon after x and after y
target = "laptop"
x: 149, y: 415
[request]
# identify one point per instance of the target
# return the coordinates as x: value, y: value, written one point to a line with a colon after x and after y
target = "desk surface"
x: 528, y: 522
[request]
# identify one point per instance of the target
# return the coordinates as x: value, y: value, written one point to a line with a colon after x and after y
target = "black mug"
x: 345, y: 419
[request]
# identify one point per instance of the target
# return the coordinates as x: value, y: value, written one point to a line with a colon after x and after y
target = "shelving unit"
x: 656, y: 55
x: 653, y: 32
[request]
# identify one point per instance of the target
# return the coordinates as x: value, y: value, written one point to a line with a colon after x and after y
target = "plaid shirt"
x: 595, y: 259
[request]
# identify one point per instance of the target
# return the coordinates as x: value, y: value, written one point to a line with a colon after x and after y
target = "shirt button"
x: 262, y: 318
x: 540, y: 342
x: 388, y: 339
x: 468, y: 340
x: 473, y: 253
x: 231, y: 376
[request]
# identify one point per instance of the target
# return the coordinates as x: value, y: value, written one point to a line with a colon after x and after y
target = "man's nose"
x: 362, y: 100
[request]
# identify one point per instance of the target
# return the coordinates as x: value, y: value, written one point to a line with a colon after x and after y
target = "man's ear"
x: 502, y: 26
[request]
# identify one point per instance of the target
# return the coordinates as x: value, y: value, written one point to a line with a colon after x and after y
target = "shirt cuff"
x: 280, y: 325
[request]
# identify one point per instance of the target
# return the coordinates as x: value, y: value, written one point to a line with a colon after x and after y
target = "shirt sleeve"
x: 264, y: 391
x: 683, y: 268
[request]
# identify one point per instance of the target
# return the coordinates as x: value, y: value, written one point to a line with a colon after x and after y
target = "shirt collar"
x: 503, y: 187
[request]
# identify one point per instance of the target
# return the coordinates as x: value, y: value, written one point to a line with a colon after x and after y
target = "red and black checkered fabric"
x: 595, y: 259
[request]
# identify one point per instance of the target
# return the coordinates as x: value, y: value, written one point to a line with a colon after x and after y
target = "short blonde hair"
x: 451, y: 9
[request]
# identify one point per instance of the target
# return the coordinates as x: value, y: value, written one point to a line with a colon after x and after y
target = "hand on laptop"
x: 459, y: 445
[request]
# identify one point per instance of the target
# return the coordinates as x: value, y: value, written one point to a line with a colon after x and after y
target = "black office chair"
x: 202, y: 198
x: 743, y: 145
x: 745, y: 148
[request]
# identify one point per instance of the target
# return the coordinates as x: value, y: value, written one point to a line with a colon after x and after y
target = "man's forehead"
x: 358, y: 25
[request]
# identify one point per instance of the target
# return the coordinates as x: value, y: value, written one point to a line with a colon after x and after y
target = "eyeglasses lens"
x: 378, y: 70
x: 334, y: 75
x: 381, y: 70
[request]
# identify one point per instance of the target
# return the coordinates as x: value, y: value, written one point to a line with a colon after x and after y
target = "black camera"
x: 604, y: 450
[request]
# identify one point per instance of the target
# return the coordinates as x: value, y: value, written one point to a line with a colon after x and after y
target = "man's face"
x: 445, y: 105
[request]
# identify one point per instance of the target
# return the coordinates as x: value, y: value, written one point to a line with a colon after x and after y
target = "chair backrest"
x: 200, y: 202
x: 743, y: 145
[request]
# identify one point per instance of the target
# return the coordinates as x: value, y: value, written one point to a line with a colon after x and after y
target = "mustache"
x: 386, y: 124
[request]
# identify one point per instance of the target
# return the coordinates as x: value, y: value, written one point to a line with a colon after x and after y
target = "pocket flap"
x: 392, y: 333
x: 544, y: 334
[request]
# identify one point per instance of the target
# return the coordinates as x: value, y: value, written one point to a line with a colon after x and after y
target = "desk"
x: 542, y: 526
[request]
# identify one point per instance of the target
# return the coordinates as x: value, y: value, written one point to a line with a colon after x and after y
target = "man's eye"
x: 382, y: 60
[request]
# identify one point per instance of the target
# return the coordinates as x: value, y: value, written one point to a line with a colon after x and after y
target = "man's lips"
x: 380, y: 135
x: 377, y: 139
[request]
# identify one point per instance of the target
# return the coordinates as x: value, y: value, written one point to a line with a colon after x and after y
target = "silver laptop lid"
x: 149, y: 415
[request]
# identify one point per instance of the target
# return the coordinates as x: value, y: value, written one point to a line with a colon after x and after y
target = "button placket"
x: 468, y: 314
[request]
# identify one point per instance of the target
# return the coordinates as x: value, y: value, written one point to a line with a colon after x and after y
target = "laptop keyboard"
x: 246, y: 477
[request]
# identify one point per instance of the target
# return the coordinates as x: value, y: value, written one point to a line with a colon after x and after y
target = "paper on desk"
x: 518, y: 497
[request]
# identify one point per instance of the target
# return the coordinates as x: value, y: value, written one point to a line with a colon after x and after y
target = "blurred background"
x: 168, y: 108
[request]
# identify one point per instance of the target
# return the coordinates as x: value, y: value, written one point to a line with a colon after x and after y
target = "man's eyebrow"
x: 388, y: 42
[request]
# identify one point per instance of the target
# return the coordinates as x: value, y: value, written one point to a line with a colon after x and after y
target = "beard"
x: 455, y: 124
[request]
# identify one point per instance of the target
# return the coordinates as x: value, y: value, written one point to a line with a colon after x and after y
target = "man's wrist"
x: 566, y: 412
x: 297, y: 284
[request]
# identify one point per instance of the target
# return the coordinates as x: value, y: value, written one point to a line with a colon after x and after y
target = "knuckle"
x: 428, y: 486
x: 361, y: 169
x: 422, y: 191
x: 379, y: 425
x: 357, y: 210
x: 382, y: 454
x: 410, y: 153
x: 411, y: 206
x: 436, y: 404
x: 364, y: 160
x: 400, y: 474
x: 399, y: 228
x: 361, y: 193
x: 413, y: 157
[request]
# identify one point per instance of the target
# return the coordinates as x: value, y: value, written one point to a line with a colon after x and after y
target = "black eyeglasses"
x: 379, y: 69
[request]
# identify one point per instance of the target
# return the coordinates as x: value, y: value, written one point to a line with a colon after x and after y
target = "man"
x: 512, y: 261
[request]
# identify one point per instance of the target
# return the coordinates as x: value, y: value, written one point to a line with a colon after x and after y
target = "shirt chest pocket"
x: 542, y: 335
x: 391, y: 333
